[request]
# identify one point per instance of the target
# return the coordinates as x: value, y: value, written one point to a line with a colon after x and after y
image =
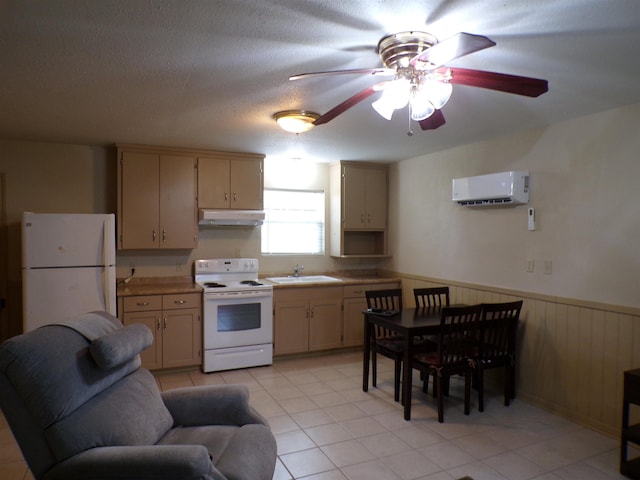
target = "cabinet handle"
x: 368, y: 218
x: 142, y: 304
x: 235, y: 197
x: 155, y: 234
x: 226, y: 196
x: 362, y: 217
x: 179, y: 302
x: 164, y: 235
x: 165, y: 323
x: 158, y: 324
x: 312, y: 313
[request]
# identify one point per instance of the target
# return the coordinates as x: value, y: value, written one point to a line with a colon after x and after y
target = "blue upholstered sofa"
x: 81, y: 407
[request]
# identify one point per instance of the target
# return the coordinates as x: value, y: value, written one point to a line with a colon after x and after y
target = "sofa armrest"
x: 211, y: 405
x: 189, y: 462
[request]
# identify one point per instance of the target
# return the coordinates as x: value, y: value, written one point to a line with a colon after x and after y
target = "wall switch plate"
x: 547, y: 267
x: 530, y: 266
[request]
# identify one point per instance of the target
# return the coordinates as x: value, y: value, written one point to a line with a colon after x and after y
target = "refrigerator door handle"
x: 108, y: 281
x: 107, y: 289
x: 108, y: 235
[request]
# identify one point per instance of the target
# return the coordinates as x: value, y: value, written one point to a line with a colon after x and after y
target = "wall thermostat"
x: 531, y: 215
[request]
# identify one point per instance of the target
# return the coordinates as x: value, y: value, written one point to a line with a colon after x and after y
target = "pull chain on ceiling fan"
x: 416, y: 61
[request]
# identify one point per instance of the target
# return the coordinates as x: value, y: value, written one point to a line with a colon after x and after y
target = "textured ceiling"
x: 209, y: 74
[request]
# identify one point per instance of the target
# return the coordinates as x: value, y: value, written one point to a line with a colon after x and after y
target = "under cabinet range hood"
x: 216, y: 218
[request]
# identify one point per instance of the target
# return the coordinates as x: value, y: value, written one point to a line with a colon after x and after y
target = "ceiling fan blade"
x: 348, y: 103
x: 371, y: 71
x: 459, y: 45
x: 434, y: 121
x: 527, y: 86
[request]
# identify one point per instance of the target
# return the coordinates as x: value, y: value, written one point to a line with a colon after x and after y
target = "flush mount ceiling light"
x: 296, y: 121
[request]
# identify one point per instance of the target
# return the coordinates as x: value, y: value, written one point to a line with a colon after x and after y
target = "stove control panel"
x: 227, y: 265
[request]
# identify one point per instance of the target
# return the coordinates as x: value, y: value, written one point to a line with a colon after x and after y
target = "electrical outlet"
x: 530, y: 266
x: 547, y: 267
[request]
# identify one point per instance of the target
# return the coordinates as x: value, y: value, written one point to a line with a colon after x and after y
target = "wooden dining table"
x: 409, y: 323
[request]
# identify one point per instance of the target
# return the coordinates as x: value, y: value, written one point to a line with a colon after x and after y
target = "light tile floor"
x: 327, y: 428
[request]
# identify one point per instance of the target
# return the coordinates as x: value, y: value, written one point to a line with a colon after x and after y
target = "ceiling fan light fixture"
x: 439, y: 93
x: 395, y: 95
x: 421, y: 106
x: 296, y: 121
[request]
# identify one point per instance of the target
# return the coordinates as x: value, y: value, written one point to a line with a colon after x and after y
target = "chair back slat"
x: 388, y: 299
x: 459, y: 334
x: 432, y: 297
x: 497, y: 334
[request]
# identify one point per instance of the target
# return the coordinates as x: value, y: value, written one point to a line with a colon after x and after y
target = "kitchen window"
x: 294, y: 222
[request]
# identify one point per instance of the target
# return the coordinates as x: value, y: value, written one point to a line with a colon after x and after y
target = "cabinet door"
x: 181, y: 338
x: 213, y: 182
x: 152, y: 356
x: 325, y: 324
x: 139, y: 219
x: 376, y: 199
x: 178, y: 214
x: 353, y: 197
x: 246, y: 184
x: 291, y: 327
x: 353, y: 335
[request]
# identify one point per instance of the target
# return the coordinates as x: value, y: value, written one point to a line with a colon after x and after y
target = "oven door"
x: 237, y: 319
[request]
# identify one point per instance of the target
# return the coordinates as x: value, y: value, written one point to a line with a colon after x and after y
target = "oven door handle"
x: 244, y: 294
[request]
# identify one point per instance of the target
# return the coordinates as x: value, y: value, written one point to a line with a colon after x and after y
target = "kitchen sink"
x: 304, y: 279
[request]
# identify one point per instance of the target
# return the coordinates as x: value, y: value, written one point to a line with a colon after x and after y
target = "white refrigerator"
x: 68, y: 266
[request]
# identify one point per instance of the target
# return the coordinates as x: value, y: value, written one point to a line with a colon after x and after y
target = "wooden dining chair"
x: 431, y: 297
x: 497, y: 346
x: 458, y: 343
x: 436, y: 298
x: 386, y: 342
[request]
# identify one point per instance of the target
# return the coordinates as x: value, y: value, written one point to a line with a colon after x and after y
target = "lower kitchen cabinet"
x: 175, y: 321
x: 291, y: 326
x: 307, y: 319
x: 354, y: 303
x: 325, y: 324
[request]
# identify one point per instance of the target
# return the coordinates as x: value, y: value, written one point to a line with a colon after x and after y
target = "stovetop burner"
x: 224, y: 276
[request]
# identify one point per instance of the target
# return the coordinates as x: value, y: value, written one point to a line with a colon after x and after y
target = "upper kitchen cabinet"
x: 230, y: 180
x: 358, y: 205
x: 156, y: 199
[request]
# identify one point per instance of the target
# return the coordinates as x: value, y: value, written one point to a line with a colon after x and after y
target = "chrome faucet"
x: 297, y: 270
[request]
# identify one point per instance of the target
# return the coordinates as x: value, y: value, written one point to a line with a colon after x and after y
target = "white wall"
x: 584, y: 188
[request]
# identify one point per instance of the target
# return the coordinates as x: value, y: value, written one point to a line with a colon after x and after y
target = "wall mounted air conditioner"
x: 505, y: 188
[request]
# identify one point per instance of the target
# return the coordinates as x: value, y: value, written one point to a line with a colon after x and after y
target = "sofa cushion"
x: 92, y: 325
x: 48, y: 363
x: 238, y: 452
x: 120, y: 346
x: 131, y: 412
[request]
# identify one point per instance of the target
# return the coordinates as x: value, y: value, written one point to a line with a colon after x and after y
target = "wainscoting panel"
x: 571, y: 354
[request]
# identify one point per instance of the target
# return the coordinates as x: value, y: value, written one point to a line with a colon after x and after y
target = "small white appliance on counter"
x: 238, y: 314
x: 68, y: 266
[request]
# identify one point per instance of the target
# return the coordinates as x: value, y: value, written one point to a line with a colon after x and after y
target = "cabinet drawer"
x: 357, y: 291
x: 180, y: 300
x: 142, y: 303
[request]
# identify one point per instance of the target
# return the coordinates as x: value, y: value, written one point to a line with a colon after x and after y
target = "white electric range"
x: 238, y: 314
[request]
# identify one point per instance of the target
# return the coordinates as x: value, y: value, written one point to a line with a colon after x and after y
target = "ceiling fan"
x: 416, y: 61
